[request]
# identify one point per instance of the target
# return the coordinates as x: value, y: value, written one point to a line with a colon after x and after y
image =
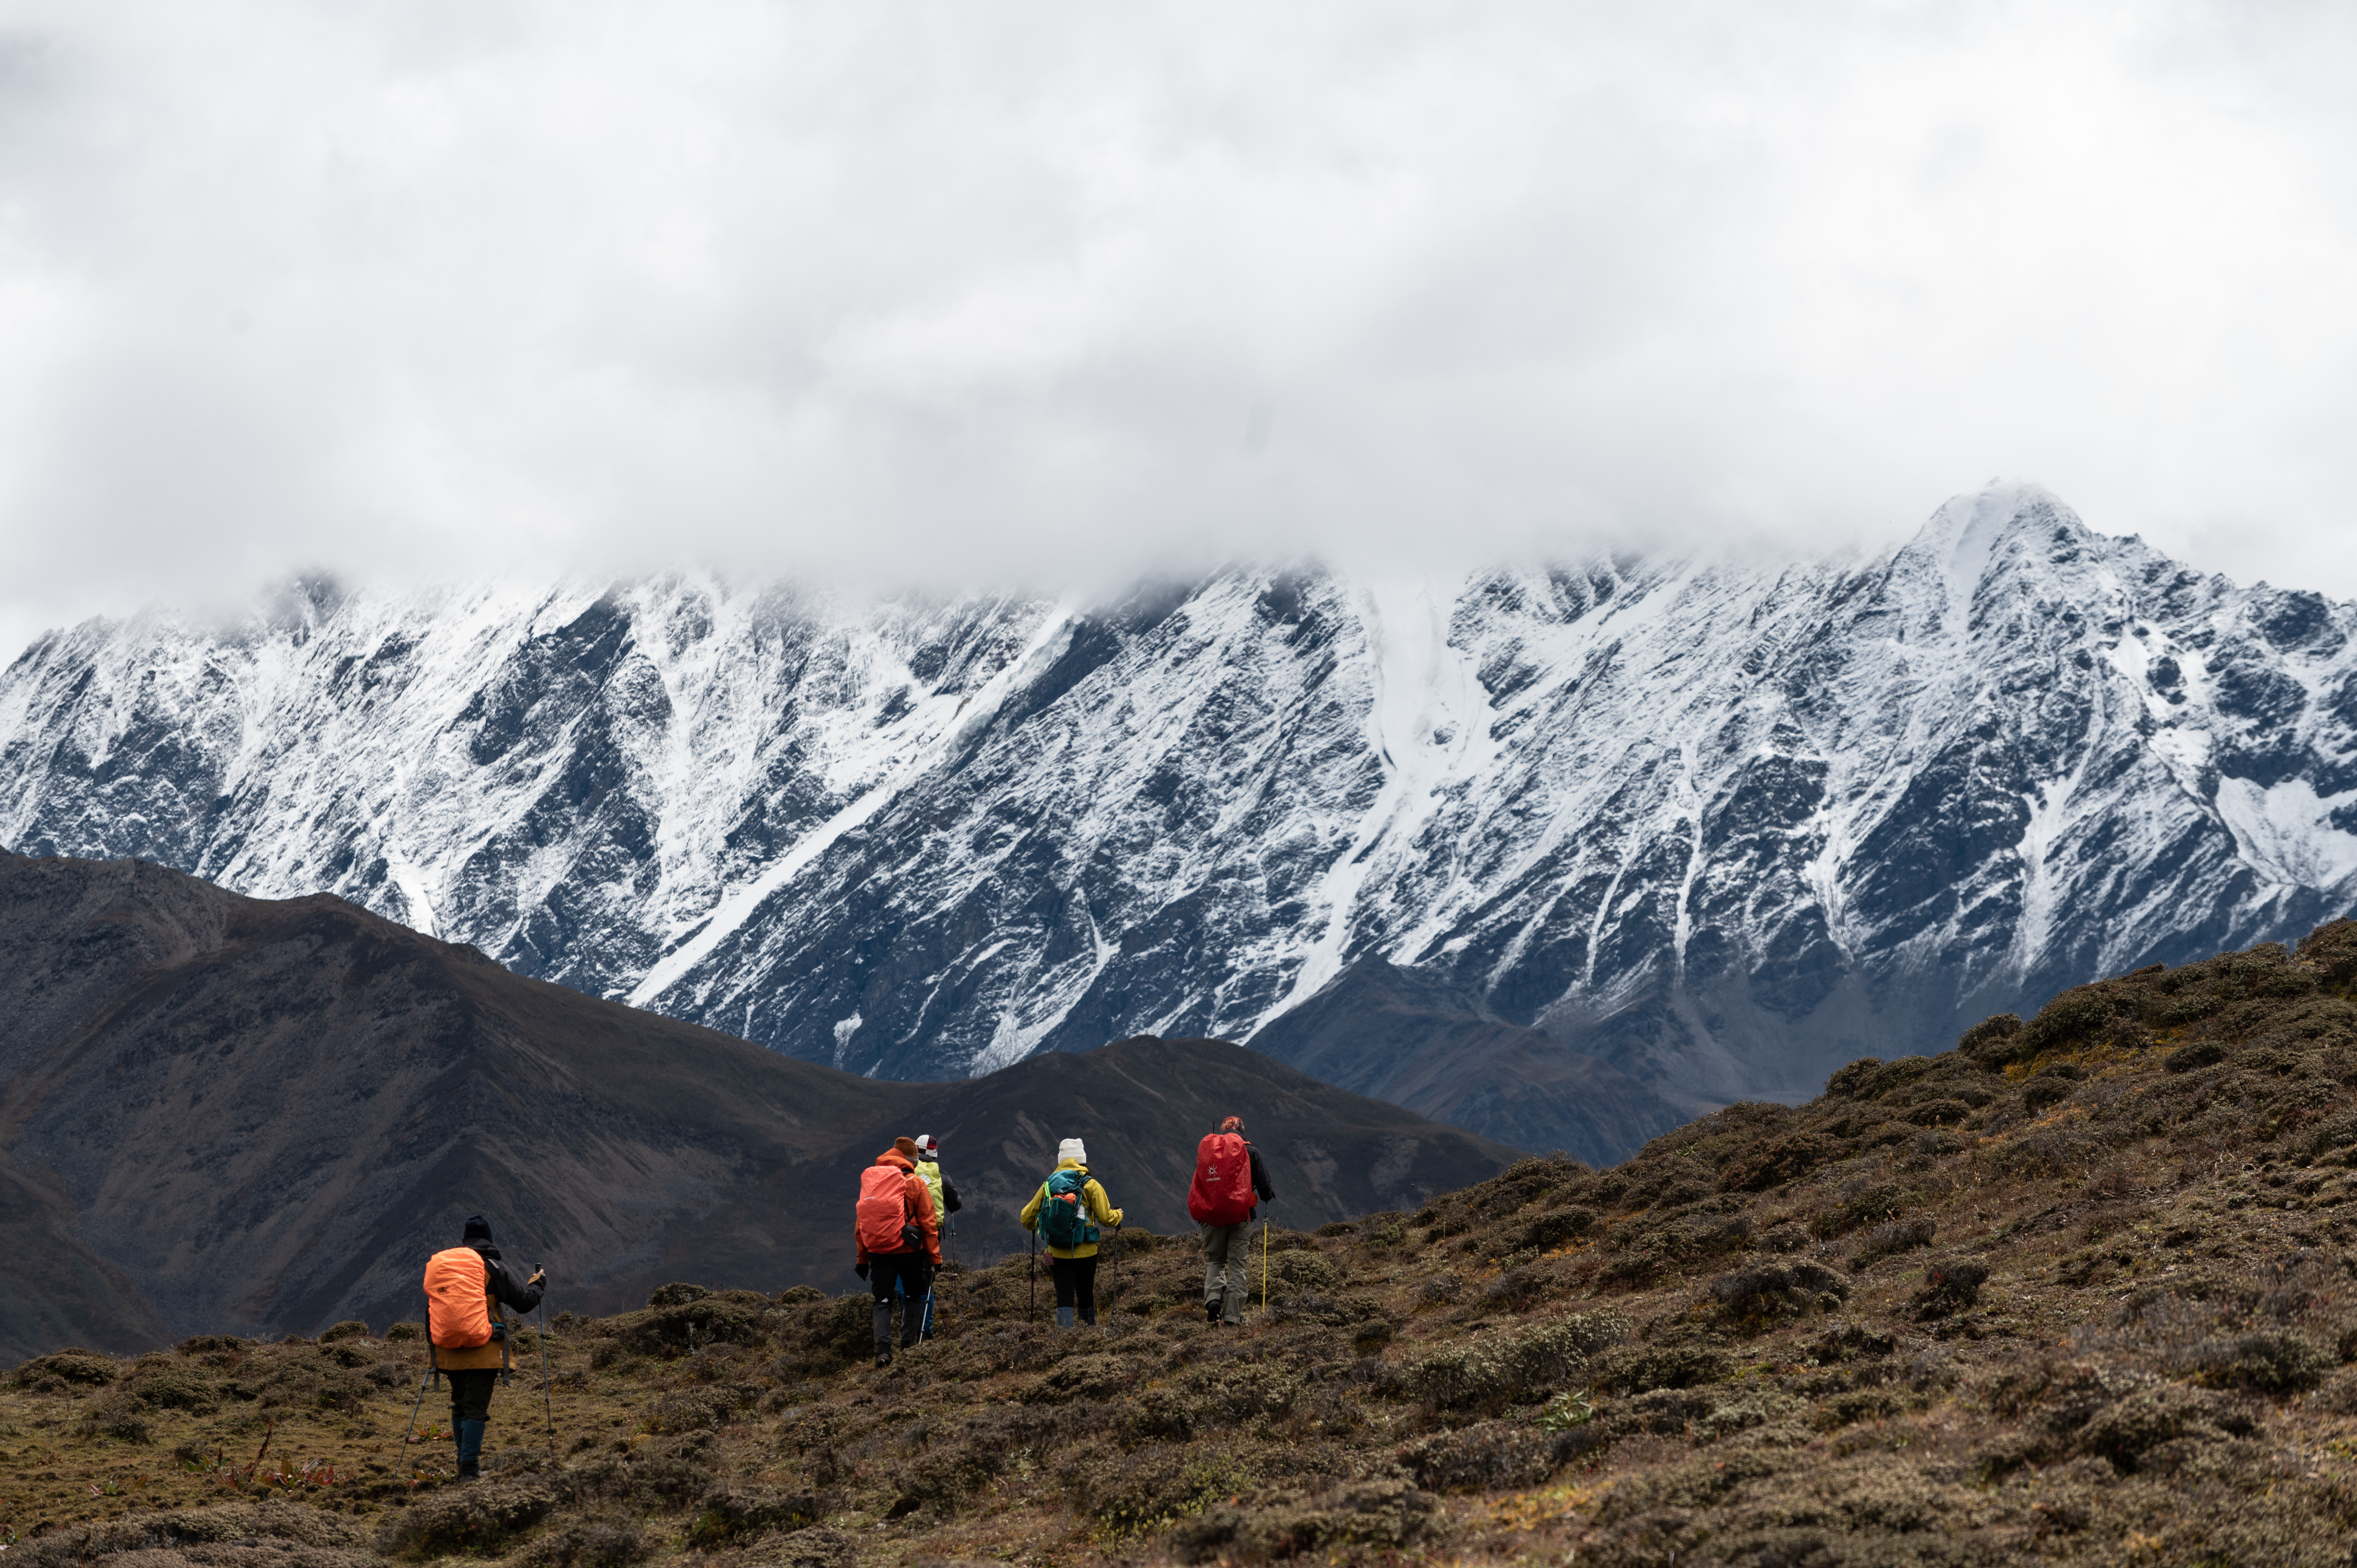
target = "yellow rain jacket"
x: 1092, y: 1197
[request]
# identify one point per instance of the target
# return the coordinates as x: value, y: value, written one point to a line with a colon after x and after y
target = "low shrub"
x: 1850, y: 1341
x: 173, y: 1389
x: 116, y: 1416
x: 351, y: 1328
x: 1492, y: 1454
x: 586, y: 1543
x: 732, y: 1514
x: 85, y: 1368
x: 1289, y: 1523
x: 1889, y: 1241
x: 482, y: 1521
x: 690, y: 1409
x: 1303, y: 1271
x: 1993, y: 1042
x: 1866, y: 1204
x: 1209, y: 1399
x: 1085, y: 1377
x: 1675, y: 1364
x: 1780, y: 1289
x: 1158, y: 1487
x: 1950, y: 1285
x: 2267, y: 1362
x: 1514, y: 1366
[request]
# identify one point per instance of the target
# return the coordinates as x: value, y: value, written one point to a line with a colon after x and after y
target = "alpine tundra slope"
x: 1560, y: 854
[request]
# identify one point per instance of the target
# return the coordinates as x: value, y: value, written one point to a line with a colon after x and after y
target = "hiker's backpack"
x: 457, y: 1299
x: 1063, y: 1213
x: 885, y: 1219
x: 1222, y: 1192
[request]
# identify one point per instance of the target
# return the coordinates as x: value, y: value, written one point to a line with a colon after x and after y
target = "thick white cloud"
x: 1056, y: 291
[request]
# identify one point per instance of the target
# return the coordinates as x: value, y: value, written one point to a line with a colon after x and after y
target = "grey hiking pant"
x: 1219, y: 1242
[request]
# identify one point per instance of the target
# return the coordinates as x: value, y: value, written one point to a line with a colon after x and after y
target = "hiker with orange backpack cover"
x: 1228, y: 1176
x: 899, y: 1240
x: 464, y: 1287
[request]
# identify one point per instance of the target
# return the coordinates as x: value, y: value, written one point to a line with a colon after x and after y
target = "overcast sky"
x: 1004, y: 291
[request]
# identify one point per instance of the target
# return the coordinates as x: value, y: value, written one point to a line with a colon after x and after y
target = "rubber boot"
x: 470, y: 1449
x: 1063, y: 1317
x: 883, y: 1333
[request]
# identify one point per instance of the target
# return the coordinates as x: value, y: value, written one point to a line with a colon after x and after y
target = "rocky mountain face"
x: 1686, y: 830
x: 222, y: 1114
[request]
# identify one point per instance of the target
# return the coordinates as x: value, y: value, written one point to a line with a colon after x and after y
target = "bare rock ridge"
x: 1714, y: 827
x: 228, y: 1114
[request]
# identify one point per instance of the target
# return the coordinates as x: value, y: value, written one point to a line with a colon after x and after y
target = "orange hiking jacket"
x: 920, y: 1206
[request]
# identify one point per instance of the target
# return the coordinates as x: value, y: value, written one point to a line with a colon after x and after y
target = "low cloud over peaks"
x: 1036, y: 294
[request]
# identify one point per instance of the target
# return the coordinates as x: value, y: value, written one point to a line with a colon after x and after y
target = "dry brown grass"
x: 2079, y: 1292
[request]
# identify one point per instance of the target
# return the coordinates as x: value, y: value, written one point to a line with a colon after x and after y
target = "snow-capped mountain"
x: 1720, y: 825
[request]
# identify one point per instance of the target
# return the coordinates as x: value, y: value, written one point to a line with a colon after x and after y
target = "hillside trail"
x: 2077, y: 1292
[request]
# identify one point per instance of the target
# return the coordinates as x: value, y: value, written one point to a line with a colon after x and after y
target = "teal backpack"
x: 1063, y: 1212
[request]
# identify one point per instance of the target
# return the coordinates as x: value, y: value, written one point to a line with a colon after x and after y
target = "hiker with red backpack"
x: 899, y: 1241
x: 1070, y: 1212
x: 1228, y: 1176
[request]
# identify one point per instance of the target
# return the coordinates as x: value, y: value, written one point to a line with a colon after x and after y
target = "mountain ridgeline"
x: 1563, y: 854
x: 228, y: 1115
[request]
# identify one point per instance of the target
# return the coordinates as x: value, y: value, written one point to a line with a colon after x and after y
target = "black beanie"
x: 477, y: 1228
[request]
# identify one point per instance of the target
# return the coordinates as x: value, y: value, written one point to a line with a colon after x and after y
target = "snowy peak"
x: 1714, y: 827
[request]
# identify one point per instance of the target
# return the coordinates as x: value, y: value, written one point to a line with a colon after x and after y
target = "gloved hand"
x: 539, y: 1276
x: 861, y: 1270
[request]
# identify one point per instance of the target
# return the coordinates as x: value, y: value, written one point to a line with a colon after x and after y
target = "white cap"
x: 1072, y: 1149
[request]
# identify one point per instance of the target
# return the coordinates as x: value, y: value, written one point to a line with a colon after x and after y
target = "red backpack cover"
x: 883, y: 1208
x: 1223, y: 1193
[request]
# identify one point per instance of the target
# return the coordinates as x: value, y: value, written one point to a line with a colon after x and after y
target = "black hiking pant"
x: 1076, y: 1283
x: 913, y: 1272
x: 470, y: 1393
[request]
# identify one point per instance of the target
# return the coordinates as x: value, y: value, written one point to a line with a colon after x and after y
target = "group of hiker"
x: 897, y: 1228
x: 904, y: 1202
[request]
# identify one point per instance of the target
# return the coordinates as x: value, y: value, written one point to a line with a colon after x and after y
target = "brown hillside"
x: 222, y: 1114
x: 2079, y: 1292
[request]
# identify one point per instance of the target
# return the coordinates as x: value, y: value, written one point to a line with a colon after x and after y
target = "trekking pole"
x: 1112, y: 1289
x: 1032, y: 1271
x: 424, y: 1379
x: 1263, y: 1266
x: 417, y: 1405
x: 547, y: 1403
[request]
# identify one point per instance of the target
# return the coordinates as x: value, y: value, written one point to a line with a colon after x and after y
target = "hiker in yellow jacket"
x: 1067, y: 1213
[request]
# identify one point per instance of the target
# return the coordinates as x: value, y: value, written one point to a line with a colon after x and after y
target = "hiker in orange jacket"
x: 899, y: 1239
x: 464, y: 1285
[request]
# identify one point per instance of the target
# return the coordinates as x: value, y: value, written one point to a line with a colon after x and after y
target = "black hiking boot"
x: 884, y: 1355
x: 1210, y: 1312
x: 470, y: 1469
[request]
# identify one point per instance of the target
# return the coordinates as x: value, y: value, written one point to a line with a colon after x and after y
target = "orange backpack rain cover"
x: 883, y: 1208
x: 1222, y: 1192
x: 457, y: 1299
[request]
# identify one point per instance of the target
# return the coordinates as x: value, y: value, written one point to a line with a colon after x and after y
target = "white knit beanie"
x: 1072, y: 1149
